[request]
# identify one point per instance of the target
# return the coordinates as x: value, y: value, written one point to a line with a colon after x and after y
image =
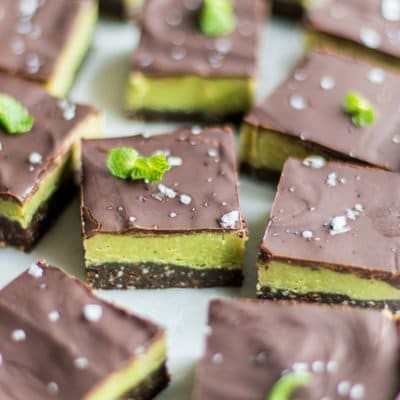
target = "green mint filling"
x: 285, y: 386
x: 359, y: 108
x: 125, y: 162
x: 217, y: 17
x: 14, y: 117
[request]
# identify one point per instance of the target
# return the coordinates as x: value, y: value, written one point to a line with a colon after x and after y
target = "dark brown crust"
x: 151, y: 115
x: 12, y: 234
x: 151, y: 386
x: 153, y: 276
x: 268, y: 293
x: 287, y: 9
x: 263, y: 174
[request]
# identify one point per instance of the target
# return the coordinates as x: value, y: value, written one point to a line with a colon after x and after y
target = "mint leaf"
x: 359, y: 108
x: 285, y: 386
x: 217, y: 17
x: 14, y: 117
x: 152, y: 169
x: 121, y: 160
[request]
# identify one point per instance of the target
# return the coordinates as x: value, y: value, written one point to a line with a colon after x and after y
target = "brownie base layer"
x: 154, y: 276
x: 12, y: 234
x: 151, y: 386
x: 263, y: 174
x: 285, y: 9
x: 150, y: 115
x: 326, y: 298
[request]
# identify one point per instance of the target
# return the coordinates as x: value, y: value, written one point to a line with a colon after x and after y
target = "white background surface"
x: 102, y: 82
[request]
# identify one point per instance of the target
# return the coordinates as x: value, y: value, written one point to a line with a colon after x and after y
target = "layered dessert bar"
x: 185, y: 230
x: 366, y: 28
x: 64, y: 342
x: 332, y: 236
x: 180, y: 72
x: 306, y: 115
x: 46, y: 41
x: 267, y: 351
x: 122, y: 8
x: 37, y: 166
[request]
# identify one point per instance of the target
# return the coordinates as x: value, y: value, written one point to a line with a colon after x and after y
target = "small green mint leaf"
x: 217, y: 17
x: 14, y: 117
x: 121, y: 161
x: 287, y: 384
x: 360, y: 108
x: 151, y: 169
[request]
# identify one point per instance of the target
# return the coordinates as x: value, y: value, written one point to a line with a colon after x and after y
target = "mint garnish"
x: 217, y: 17
x: 14, y: 117
x: 287, y: 384
x: 359, y: 108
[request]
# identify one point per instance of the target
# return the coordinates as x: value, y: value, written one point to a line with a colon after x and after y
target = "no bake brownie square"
x: 184, y: 231
x: 333, y: 236
x: 46, y: 40
x: 180, y: 73
x: 305, y: 115
x: 253, y: 346
x: 61, y: 341
x: 37, y: 168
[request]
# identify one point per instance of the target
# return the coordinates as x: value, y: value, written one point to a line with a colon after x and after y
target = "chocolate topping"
x: 62, y: 340
x: 33, y: 36
x: 339, y: 215
x: 193, y: 196
x: 371, y: 23
x: 25, y: 159
x: 350, y: 354
x: 309, y: 106
x: 172, y: 43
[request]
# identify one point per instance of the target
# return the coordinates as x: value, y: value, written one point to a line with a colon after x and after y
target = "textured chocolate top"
x: 194, y: 196
x: 21, y: 169
x: 309, y: 106
x: 351, y: 354
x: 371, y: 23
x: 60, y: 340
x: 33, y: 34
x: 172, y: 42
x: 338, y: 214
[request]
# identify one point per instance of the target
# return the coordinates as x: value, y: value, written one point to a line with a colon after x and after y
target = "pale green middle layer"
x: 189, y: 94
x: 304, y: 279
x: 196, y: 250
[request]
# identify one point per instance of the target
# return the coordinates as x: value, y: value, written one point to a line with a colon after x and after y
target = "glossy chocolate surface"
x: 193, y: 196
x: 351, y: 354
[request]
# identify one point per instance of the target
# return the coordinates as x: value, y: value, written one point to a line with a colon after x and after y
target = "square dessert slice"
x: 37, y: 167
x: 122, y: 8
x: 46, y: 41
x: 64, y: 342
x: 267, y: 351
x: 179, y: 72
x: 183, y: 231
x: 366, y: 28
x: 333, y: 236
x: 305, y: 115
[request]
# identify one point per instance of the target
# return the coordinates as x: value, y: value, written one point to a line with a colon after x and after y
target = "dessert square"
x: 37, y: 167
x: 305, y: 116
x: 183, y: 231
x: 46, y: 41
x: 332, y: 236
x: 180, y: 73
x: 64, y: 342
x: 366, y: 28
x: 257, y: 350
x: 122, y: 8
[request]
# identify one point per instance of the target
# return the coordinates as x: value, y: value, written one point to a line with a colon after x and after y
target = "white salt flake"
x: 230, y: 219
x: 339, y: 225
x: 18, y: 335
x: 35, y: 271
x: 343, y: 388
x: 307, y: 234
x: 331, y: 180
x: 213, y: 152
x: 185, y: 199
x: 390, y: 10
x: 166, y: 191
x: 53, y: 316
x: 370, y: 37
x: 300, y: 367
x: 175, y: 161
x: 81, y: 362
x: 298, y: 102
x: 357, y: 391
x: 92, y: 312
x: 376, y: 76
x: 35, y: 158
x: 52, y: 387
x: 327, y: 82
x: 314, y: 162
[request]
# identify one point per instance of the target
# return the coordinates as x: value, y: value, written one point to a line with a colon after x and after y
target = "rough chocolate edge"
x: 285, y: 9
x: 11, y: 232
x: 269, y: 293
x: 156, y: 276
x: 153, y: 116
x: 263, y: 174
x: 151, y: 386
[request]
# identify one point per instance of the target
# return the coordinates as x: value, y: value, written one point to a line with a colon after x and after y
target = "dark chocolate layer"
x: 172, y: 43
x: 54, y: 343
x: 32, y: 39
x: 342, y: 216
x: 252, y: 344
x: 327, y: 298
x: 207, y: 177
x: 309, y: 106
x: 154, y: 276
x: 55, y: 120
x: 371, y: 23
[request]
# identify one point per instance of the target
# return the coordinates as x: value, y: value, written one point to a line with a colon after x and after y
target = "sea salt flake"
x: 331, y: 180
x: 81, y: 362
x: 338, y: 225
x: 376, y: 76
x: 390, y: 10
x: 35, y: 158
x: 370, y: 37
x: 53, y: 316
x: 92, y: 312
x: 298, y: 102
x: 35, y: 271
x: 185, y: 199
x: 175, y: 161
x: 327, y: 82
x: 230, y: 219
x: 357, y: 391
x: 166, y: 191
x: 314, y: 162
x: 18, y: 335
x: 343, y: 388
x: 52, y: 387
x: 307, y: 234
